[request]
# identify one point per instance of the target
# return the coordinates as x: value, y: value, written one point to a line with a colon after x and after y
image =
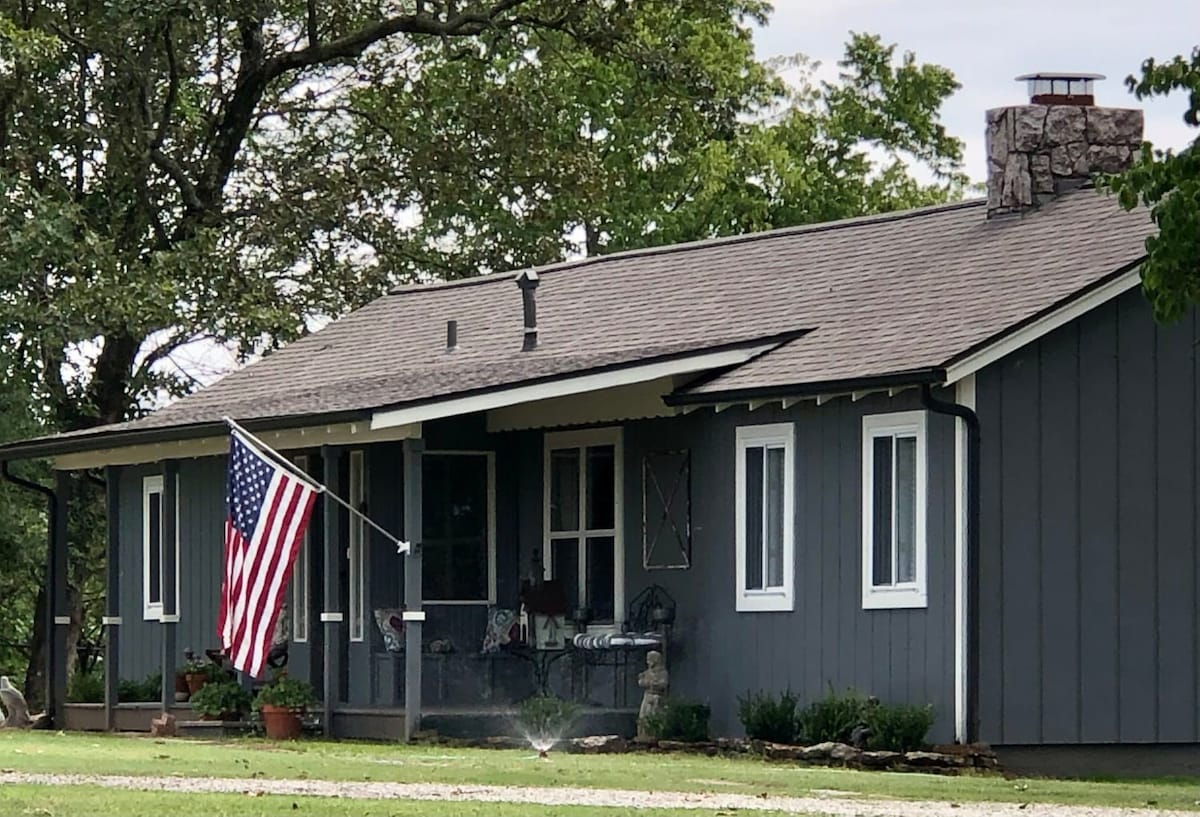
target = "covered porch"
x: 505, y: 515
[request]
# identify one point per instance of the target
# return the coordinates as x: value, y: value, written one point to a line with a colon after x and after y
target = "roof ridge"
x: 685, y: 246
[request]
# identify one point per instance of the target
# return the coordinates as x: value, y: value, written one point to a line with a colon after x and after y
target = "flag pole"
x: 401, y: 545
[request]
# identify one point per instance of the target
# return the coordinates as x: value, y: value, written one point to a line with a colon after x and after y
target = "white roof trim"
x: 1042, y: 326
x: 389, y: 418
x: 356, y: 433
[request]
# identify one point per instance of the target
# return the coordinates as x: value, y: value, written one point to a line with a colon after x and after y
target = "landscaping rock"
x: 817, y: 752
x: 599, y: 745
x: 845, y: 754
x: 938, y: 760
x: 881, y: 759
x: 734, y: 746
x: 164, y: 726
x: 781, y: 751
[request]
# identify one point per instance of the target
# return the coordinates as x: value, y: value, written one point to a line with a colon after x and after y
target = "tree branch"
x: 187, y: 191
x: 313, y: 37
x: 168, y: 108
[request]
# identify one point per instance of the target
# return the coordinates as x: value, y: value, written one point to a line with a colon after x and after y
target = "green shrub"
x: 546, y: 716
x: 86, y: 687
x: 221, y: 699
x: 289, y: 693
x: 148, y: 689
x: 832, y: 718
x: 765, y: 717
x: 899, y: 727
x: 680, y: 720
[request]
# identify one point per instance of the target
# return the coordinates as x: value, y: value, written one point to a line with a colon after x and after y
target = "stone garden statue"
x: 16, y: 711
x: 654, y: 680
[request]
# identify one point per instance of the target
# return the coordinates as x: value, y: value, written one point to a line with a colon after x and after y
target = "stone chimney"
x: 1056, y: 142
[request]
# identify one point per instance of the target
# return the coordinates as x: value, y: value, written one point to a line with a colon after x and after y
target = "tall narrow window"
x: 300, y: 577
x: 894, y: 504
x: 358, y: 536
x: 583, y: 547
x: 153, y: 578
x: 458, y: 518
x: 765, y: 488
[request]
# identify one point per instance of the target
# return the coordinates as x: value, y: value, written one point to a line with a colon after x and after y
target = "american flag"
x: 267, y: 510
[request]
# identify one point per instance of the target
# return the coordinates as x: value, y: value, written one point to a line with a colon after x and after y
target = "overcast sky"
x: 986, y: 44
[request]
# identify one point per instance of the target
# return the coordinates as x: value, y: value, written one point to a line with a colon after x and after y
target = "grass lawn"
x: 41, y: 801
x: 108, y: 754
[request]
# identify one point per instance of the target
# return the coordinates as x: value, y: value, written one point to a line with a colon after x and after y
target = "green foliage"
x: 221, y: 699
x: 147, y: 689
x: 289, y: 693
x: 766, y: 717
x: 680, y: 720
x: 546, y: 716
x: 898, y: 727
x: 832, y: 718
x: 86, y: 687
x: 1169, y: 184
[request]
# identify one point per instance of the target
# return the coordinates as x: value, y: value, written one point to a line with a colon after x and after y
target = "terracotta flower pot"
x: 280, y: 723
x: 195, y: 682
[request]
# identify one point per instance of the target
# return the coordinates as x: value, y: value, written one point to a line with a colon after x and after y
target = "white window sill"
x: 769, y: 601
x: 152, y: 612
x: 894, y: 598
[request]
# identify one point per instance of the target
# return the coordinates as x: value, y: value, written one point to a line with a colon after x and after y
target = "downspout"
x: 51, y: 577
x: 971, y: 625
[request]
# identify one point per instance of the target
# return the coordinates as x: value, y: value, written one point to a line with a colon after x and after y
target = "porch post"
x: 414, y: 616
x: 112, y: 598
x: 59, y: 618
x: 168, y: 568
x: 331, y: 617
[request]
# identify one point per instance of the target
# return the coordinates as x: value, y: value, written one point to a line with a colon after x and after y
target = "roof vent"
x: 528, y: 283
x: 1049, y: 88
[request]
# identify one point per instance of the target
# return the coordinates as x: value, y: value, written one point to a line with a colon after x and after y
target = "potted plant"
x: 281, y: 703
x: 221, y: 701
x: 197, y: 672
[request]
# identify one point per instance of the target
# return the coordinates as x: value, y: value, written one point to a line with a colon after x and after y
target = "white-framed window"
x: 583, y: 545
x: 152, y: 548
x: 300, y: 575
x: 894, y: 511
x: 357, y: 550
x: 458, y: 519
x: 766, y: 543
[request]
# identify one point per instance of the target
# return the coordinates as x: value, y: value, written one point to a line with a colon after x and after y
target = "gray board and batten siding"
x: 716, y: 654
x: 828, y: 640
x: 1089, y: 575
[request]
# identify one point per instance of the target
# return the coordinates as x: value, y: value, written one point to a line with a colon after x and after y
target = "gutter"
x: 54, y: 446
x: 971, y: 625
x: 914, y: 377
x: 51, y: 574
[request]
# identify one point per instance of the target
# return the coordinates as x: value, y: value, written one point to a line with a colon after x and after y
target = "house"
x: 943, y: 456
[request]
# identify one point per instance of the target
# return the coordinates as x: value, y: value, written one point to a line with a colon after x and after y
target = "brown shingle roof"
x: 881, y: 295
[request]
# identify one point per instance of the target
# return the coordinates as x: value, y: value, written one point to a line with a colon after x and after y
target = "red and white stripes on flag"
x: 267, y: 511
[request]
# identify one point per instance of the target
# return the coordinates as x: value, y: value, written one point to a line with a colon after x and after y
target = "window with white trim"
x: 152, y: 545
x: 894, y: 503
x: 583, y: 546
x: 300, y: 576
x: 458, y: 517
x: 766, y: 544
x: 357, y: 550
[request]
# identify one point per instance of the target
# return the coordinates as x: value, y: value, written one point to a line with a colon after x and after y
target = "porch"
x: 368, y: 623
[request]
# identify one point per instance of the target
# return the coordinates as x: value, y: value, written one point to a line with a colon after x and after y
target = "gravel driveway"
x: 839, y: 806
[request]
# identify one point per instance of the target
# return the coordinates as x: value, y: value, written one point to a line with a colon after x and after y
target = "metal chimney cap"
x: 1061, y: 87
